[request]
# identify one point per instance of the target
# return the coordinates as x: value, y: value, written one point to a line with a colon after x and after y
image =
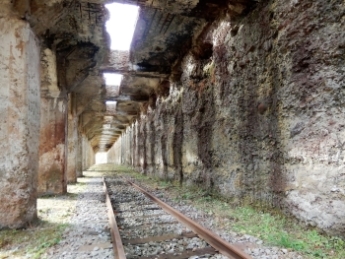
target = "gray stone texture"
x: 72, y: 129
x: 20, y: 120
x: 52, y: 161
x: 88, y: 155
x: 258, y: 112
x: 52, y: 149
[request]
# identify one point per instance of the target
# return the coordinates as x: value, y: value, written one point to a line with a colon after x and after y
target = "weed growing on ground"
x: 47, y: 237
x: 32, y: 241
x: 54, y: 212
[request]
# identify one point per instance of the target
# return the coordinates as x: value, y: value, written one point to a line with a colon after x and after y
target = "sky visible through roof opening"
x: 121, y: 25
x: 112, y: 79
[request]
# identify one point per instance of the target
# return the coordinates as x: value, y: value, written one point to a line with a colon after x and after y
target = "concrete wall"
x: 258, y: 113
x: 19, y: 120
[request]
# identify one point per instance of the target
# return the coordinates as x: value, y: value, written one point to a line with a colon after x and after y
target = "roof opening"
x: 121, y: 25
x: 109, y: 103
x: 112, y: 79
x: 112, y: 83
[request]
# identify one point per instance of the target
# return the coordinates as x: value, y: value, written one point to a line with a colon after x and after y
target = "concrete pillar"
x: 123, y: 148
x: 19, y: 120
x: 72, y: 140
x: 52, y: 161
x: 136, y: 146
x: 79, y: 155
x: 84, y: 154
x: 88, y: 154
x: 52, y: 152
x: 114, y: 153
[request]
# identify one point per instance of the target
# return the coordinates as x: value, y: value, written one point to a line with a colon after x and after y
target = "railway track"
x: 143, y: 226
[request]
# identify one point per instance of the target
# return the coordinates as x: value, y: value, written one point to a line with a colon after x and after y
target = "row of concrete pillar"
x: 64, y: 152
x: 42, y: 148
x: 125, y: 150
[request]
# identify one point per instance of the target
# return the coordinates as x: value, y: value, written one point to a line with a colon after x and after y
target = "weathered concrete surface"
x: 79, y: 165
x: 257, y: 113
x: 75, y: 31
x: 122, y: 151
x: 52, y: 161
x: 250, y: 104
x: 19, y: 120
x: 85, y: 154
x: 88, y: 156
x: 72, y: 129
x: 53, y: 133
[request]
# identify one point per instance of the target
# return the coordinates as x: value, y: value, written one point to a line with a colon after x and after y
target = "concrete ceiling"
x: 75, y: 29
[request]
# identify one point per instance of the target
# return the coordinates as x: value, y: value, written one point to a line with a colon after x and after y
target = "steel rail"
x: 119, y: 252
x: 214, y: 240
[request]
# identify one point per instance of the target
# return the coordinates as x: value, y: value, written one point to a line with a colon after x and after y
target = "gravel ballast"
x: 88, y: 235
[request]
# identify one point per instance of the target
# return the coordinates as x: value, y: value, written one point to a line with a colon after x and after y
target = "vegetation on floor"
x: 258, y: 220
x: 32, y: 241
x: 54, y: 213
